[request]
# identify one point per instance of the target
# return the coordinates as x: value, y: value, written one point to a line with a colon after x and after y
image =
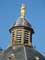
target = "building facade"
x: 20, y: 47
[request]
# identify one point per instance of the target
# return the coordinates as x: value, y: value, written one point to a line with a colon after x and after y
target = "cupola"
x: 21, y: 31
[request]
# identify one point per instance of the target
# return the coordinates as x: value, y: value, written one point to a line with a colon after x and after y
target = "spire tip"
x: 23, y: 10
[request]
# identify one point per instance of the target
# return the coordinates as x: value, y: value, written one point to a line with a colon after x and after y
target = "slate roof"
x: 20, y: 53
x: 22, y: 22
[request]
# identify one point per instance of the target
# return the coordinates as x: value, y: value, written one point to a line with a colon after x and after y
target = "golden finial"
x: 22, y: 13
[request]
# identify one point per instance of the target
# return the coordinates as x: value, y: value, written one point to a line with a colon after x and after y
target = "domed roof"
x: 21, y: 53
x: 22, y: 22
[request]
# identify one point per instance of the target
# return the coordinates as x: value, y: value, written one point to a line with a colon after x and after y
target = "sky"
x: 35, y: 14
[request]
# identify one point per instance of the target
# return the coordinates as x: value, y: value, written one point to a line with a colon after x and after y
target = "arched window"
x: 11, y: 56
x: 37, y: 58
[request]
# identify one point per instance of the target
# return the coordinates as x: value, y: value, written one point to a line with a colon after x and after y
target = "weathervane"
x: 22, y: 13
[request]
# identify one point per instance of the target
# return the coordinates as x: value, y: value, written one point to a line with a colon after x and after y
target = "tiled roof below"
x: 20, y: 54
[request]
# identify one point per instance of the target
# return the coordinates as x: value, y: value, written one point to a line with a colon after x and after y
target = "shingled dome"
x: 22, y: 22
x: 21, y: 53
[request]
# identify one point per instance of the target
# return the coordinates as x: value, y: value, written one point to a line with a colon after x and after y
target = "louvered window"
x: 13, y: 35
x: 18, y: 37
x: 26, y: 37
